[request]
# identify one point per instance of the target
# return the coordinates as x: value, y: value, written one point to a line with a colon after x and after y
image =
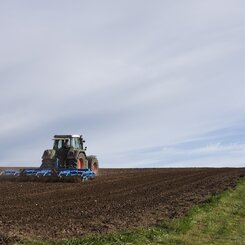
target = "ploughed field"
x: 117, y: 199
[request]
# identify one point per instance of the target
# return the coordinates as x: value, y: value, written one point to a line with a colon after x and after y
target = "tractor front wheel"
x: 93, y: 164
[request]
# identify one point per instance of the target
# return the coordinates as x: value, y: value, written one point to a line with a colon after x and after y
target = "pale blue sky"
x: 148, y: 83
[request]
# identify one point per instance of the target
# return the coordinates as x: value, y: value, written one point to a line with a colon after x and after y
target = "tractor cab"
x: 68, y: 142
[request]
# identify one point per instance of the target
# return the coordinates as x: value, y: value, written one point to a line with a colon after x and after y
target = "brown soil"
x: 117, y: 199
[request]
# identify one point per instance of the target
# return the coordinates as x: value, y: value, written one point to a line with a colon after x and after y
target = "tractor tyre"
x: 79, y: 163
x: 71, y: 163
x: 93, y: 164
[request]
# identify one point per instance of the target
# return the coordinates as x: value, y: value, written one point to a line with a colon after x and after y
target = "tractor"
x: 67, y: 161
x: 69, y: 153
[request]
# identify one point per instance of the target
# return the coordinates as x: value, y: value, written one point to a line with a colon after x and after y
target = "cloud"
x: 128, y: 75
x: 211, y: 155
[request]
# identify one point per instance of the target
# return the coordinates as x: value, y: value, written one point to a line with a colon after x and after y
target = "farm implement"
x: 66, y: 162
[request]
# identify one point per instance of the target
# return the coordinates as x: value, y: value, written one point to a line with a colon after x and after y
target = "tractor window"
x: 73, y: 143
x: 58, y: 144
x: 76, y: 143
x: 61, y: 143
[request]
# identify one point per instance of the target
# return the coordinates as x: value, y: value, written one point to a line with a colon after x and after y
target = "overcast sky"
x: 148, y: 83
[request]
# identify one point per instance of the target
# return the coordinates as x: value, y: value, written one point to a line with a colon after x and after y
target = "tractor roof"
x: 67, y: 136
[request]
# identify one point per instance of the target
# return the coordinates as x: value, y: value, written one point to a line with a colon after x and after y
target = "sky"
x: 147, y: 83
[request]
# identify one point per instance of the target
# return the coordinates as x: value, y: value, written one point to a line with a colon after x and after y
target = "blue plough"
x: 83, y: 174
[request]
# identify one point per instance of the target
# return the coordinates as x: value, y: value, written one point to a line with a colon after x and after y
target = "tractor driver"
x: 67, y: 144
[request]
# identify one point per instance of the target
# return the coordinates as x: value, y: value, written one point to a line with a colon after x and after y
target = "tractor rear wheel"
x: 78, y: 163
x: 82, y: 161
x: 71, y: 163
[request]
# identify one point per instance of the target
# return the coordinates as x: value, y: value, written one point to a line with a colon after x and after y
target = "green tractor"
x: 69, y: 153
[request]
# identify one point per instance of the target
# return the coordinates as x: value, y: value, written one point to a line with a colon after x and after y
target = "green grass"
x: 220, y: 220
